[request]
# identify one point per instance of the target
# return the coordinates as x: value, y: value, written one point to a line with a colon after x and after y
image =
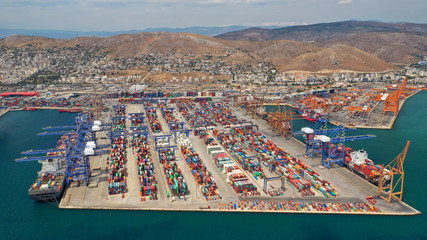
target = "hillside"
x: 323, y: 31
x: 337, y: 58
x: 282, y: 54
x: 397, y: 43
x: 52, y: 33
x: 395, y: 48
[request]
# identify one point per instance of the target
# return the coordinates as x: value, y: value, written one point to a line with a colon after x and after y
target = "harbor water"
x: 26, y: 219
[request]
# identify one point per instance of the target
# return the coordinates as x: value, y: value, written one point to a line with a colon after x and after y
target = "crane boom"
x: 391, y: 103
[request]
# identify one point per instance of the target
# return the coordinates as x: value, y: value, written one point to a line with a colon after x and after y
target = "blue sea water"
x: 22, y: 218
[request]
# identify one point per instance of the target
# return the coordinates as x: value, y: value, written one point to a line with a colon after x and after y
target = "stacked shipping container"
x: 203, y: 177
x: 174, y: 177
x: 117, y: 178
x: 147, y: 180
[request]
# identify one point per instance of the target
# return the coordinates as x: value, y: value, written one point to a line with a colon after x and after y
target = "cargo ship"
x: 73, y: 110
x: 50, y: 182
x: 312, y: 117
x: 358, y: 162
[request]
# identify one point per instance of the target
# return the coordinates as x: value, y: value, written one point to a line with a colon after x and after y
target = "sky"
x: 115, y: 15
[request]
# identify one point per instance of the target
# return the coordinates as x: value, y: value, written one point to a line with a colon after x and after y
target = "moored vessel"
x: 359, y: 162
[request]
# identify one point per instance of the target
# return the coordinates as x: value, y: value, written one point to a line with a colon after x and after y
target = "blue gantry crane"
x: 77, y: 164
x: 165, y: 148
x: 37, y: 158
x: 185, y: 131
x: 162, y: 137
x: 332, y: 154
x: 139, y: 129
x: 314, y: 147
x: 328, y: 142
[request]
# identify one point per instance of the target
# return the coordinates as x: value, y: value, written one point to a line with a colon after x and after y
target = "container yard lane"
x: 132, y: 182
x: 192, y: 187
x: 224, y: 189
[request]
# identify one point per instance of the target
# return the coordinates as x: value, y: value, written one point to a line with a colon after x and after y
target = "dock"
x: 3, y: 112
x: 352, y: 188
x: 378, y: 121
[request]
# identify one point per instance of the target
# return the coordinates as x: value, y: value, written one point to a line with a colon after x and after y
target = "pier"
x: 350, y: 187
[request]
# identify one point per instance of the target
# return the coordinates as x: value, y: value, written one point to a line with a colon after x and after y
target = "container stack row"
x: 162, y: 105
x: 268, y: 152
x: 203, y: 177
x: 147, y: 180
x: 116, y: 163
x: 120, y: 111
x: 298, y: 206
x: 119, y: 124
x: 20, y: 102
x: 153, y: 120
x: 223, y: 115
x: 232, y: 146
x: 137, y: 121
x: 174, y: 177
x: 185, y: 108
x: 142, y: 94
x: 195, y: 116
x: 170, y: 118
x: 234, y: 176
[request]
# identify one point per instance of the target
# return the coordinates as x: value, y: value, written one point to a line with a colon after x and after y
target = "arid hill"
x: 337, y: 58
x: 283, y: 54
x: 397, y: 43
x: 394, y: 48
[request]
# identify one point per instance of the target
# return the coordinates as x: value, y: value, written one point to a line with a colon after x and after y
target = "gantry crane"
x: 395, y: 175
x: 97, y: 106
x: 391, y: 103
x: 282, y: 120
x: 333, y: 155
x: 253, y: 106
x: 320, y: 139
x: 235, y: 98
x: 77, y: 164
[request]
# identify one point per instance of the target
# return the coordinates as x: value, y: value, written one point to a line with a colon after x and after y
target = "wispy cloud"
x: 184, y: 2
x: 344, y: 1
x: 53, y: 3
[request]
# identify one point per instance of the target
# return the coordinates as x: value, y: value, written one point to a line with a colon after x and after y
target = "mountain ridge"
x: 396, y: 43
x: 67, y: 34
x: 282, y: 54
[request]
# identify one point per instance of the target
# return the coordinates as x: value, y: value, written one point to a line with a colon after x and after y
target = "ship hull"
x: 361, y: 174
x: 47, y: 194
x: 305, y: 116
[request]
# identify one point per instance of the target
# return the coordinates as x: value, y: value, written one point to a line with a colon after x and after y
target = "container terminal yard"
x: 201, y: 151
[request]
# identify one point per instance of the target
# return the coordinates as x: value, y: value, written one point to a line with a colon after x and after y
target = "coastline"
x: 416, y: 212
x: 3, y: 112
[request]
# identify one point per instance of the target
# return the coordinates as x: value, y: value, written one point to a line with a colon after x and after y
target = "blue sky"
x: 113, y: 15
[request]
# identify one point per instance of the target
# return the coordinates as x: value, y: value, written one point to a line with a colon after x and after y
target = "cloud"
x: 344, y: 1
x: 185, y: 2
x: 112, y: 3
